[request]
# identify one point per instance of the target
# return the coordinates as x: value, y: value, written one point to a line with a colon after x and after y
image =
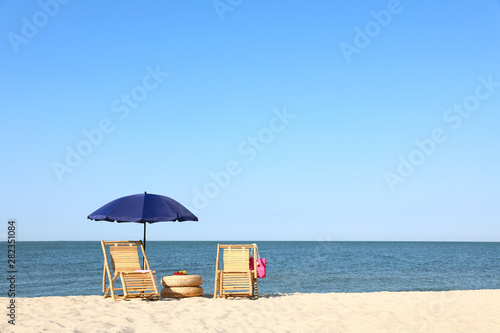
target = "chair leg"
x: 106, y: 293
x: 221, y: 289
x: 125, y: 292
x: 104, y: 279
x: 250, y: 284
x: 216, y: 286
x: 111, y: 288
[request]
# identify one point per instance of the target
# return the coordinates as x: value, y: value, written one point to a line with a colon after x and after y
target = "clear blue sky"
x: 320, y: 120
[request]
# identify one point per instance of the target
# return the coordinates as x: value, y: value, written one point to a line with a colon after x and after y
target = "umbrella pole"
x: 144, y: 244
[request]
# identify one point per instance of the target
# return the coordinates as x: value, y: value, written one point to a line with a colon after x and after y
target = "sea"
x: 76, y: 268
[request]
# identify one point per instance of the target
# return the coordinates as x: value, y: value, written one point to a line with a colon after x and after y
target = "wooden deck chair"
x: 235, y: 278
x: 136, y: 281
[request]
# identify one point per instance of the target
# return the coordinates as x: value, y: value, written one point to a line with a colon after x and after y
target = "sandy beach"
x: 451, y: 311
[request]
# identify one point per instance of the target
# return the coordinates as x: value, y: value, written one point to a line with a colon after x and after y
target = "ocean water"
x: 75, y: 268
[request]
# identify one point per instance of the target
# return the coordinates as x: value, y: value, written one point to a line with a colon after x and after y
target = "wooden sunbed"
x: 136, y: 281
x: 235, y: 278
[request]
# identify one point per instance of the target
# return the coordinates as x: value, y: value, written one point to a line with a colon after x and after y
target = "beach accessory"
x: 182, y: 281
x: 261, y: 264
x: 181, y: 292
x: 234, y: 277
x: 142, y: 208
x: 123, y: 259
x: 261, y: 267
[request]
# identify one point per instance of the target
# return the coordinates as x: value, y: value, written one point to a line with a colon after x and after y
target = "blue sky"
x: 310, y: 120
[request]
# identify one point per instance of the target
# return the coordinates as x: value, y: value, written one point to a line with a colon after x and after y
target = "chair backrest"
x: 235, y: 257
x: 235, y: 260
x: 125, y: 256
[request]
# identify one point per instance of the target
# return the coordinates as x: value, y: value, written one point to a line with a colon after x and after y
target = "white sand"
x: 452, y: 311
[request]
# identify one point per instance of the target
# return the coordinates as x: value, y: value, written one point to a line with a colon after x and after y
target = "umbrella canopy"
x: 143, y: 208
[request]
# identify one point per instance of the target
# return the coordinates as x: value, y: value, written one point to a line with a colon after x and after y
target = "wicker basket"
x: 181, y: 292
x: 181, y: 281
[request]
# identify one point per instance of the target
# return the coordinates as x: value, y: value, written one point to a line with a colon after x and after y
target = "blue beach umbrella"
x: 143, y: 208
